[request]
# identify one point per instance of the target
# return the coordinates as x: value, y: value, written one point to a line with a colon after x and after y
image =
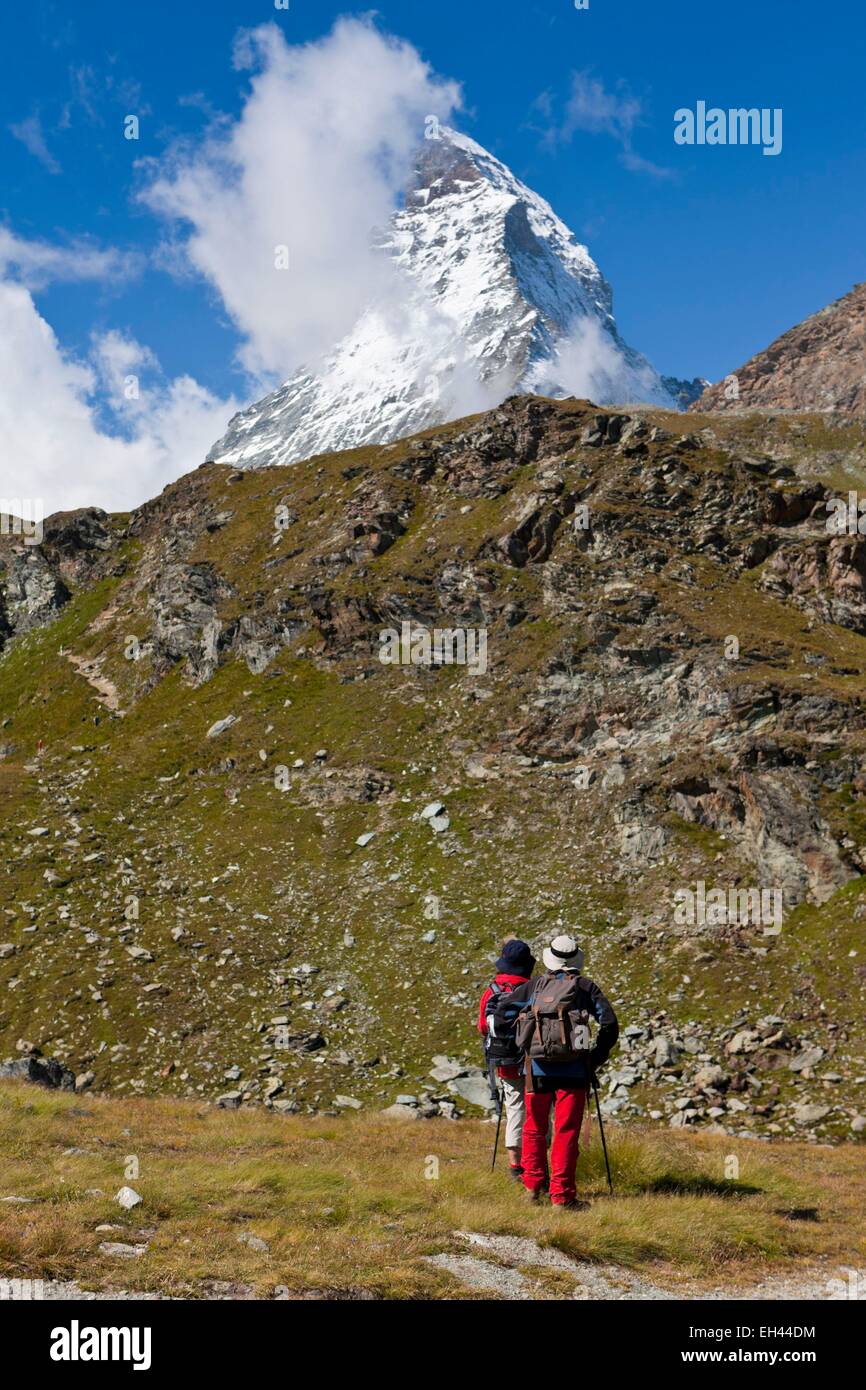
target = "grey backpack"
x: 554, y: 1027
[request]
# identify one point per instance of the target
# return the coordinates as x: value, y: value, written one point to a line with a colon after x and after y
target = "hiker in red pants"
x: 560, y: 1061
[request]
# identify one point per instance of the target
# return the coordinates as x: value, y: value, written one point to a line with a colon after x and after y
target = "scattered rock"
x: 808, y: 1058
x: 230, y: 1100
x: 127, y: 1198
x: 667, y: 1054
x: 254, y: 1242
x: 474, y: 1089
x: 811, y: 1114
x: 711, y: 1078
x: 221, y: 725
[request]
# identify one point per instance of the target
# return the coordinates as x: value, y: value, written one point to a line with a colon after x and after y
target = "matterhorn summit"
x: 488, y: 293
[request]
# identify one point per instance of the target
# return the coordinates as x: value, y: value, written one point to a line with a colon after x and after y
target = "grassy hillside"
x: 371, y: 1207
x: 190, y: 915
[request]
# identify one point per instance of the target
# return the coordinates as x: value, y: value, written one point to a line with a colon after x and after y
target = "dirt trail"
x: 503, y: 1267
x: 106, y: 690
x: 500, y: 1264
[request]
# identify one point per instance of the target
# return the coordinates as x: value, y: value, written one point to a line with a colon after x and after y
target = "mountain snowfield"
x: 484, y: 292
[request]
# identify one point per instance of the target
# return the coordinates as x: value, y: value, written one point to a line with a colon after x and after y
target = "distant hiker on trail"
x: 559, y: 1063
x: 515, y: 965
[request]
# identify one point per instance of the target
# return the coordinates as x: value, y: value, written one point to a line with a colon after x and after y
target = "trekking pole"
x: 498, y: 1127
x: 601, y: 1131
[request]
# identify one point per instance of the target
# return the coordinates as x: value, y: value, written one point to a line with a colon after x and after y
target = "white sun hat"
x: 563, y: 953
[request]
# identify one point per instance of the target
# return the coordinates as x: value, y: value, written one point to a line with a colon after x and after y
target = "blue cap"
x: 516, y: 959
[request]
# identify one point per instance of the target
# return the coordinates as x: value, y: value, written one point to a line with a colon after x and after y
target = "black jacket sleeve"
x: 520, y: 995
x: 608, y: 1030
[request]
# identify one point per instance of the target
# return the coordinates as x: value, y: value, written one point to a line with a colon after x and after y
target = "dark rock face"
x: 34, y: 591
x: 826, y: 579
x: 42, y: 1071
x: 685, y: 392
x: 818, y: 365
x: 36, y: 580
x: 539, y: 521
x: 77, y: 539
x: 773, y: 817
x: 184, y: 603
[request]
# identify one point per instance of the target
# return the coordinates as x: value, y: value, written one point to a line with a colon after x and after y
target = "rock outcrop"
x: 820, y: 365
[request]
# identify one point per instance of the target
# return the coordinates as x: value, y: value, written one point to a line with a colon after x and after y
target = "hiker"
x: 560, y: 1063
x: 514, y: 967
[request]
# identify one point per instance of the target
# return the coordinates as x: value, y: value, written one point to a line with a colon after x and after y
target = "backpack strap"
x: 495, y: 991
x: 537, y: 1022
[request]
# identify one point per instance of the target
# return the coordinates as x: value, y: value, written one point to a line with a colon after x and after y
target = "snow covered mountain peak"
x: 489, y: 293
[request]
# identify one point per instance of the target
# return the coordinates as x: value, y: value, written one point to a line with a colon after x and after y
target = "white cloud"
x: 32, y: 137
x: 595, y: 109
x: 55, y: 446
x: 590, y: 364
x: 316, y: 160
x: 39, y: 263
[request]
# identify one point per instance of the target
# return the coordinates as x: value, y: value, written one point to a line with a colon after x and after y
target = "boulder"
x: 44, y: 1071
x: 127, y: 1198
x: 711, y: 1078
x: 666, y: 1053
x: 808, y: 1058
x: 474, y: 1089
x: 221, y: 725
x: 811, y: 1114
x: 446, y: 1069
x: 230, y: 1100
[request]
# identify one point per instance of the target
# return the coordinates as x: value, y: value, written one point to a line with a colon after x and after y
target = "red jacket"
x: 506, y: 980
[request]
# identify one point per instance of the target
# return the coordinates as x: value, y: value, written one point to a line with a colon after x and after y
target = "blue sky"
x: 711, y: 252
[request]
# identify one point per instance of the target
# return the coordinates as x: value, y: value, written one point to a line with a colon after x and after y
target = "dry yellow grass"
x: 354, y: 1204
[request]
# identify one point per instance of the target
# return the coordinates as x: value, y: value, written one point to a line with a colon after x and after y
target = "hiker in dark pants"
x: 515, y: 965
x: 560, y: 1062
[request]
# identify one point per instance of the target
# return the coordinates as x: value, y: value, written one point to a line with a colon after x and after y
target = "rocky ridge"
x: 819, y: 365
